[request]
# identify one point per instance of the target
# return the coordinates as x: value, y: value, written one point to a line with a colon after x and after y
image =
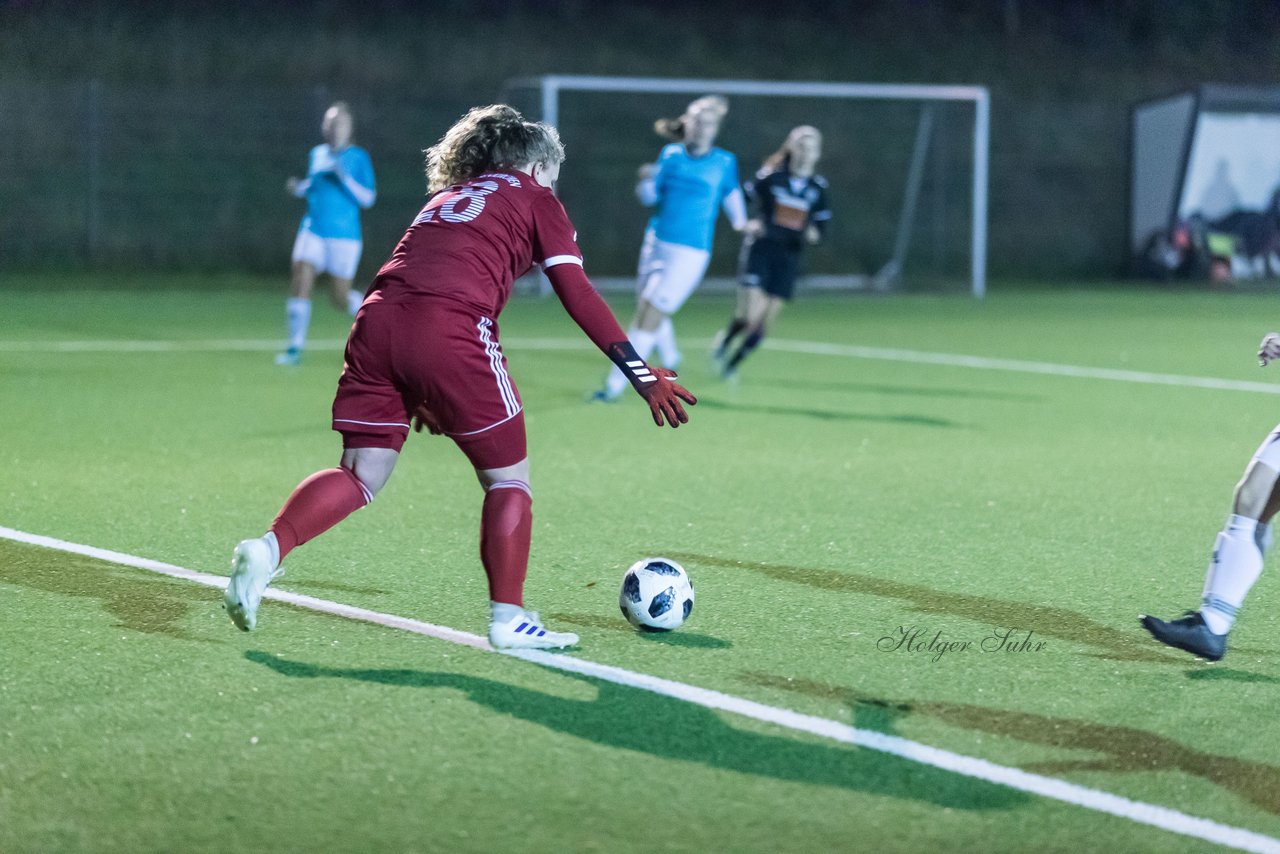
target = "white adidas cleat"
x: 525, y: 631
x: 251, y: 573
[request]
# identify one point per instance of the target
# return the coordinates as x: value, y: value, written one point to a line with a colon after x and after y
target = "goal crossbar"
x: 551, y: 85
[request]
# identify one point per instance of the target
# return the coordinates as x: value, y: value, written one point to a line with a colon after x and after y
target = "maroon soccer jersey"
x: 427, y: 332
x: 473, y: 240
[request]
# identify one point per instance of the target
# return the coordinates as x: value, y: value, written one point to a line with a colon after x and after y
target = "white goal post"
x: 551, y: 86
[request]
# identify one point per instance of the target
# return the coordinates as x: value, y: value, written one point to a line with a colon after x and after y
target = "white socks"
x: 1236, y: 565
x: 502, y: 612
x: 665, y: 339
x: 297, y: 313
x: 1263, y: 539
x: 643, y: 342
x: 273, y: 545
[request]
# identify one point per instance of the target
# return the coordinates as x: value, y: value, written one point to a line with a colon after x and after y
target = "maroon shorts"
x: 404, y: 354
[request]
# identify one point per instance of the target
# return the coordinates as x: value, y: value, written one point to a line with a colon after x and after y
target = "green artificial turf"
x: 822, y: 505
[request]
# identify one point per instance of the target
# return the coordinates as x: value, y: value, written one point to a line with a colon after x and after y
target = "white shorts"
x: 669, y: 272
x: 1268, y: 452
x: 333, y: 255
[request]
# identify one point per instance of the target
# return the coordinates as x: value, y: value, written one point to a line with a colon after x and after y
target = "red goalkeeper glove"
x: 654, y: 385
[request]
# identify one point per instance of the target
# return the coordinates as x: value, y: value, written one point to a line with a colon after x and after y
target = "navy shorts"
x: 773, y: 268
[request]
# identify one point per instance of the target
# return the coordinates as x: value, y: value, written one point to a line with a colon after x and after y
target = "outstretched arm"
x: 647, y: 184
x: 591, y: 313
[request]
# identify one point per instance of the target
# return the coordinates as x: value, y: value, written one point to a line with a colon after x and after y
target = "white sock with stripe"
x: 1236, y: 565
x: 297, y: 313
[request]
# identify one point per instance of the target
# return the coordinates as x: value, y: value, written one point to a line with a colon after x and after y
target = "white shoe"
x: 525, y: 631
x: 251, y: 573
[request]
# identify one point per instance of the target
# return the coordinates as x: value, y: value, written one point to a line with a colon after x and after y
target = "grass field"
x: 837, y: 496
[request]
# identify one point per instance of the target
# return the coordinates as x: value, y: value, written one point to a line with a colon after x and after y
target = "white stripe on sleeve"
x: 561, y: 259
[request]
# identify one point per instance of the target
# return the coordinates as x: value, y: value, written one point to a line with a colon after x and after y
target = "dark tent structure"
x: 1204, y: 175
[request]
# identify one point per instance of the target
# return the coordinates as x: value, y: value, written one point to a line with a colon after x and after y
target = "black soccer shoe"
x: 1189, y: 633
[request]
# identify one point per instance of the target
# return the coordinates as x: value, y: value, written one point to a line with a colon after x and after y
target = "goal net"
x: 907, y: 166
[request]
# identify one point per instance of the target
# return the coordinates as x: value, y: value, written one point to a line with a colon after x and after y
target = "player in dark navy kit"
x: 788, y: 204
x: 424, y: 349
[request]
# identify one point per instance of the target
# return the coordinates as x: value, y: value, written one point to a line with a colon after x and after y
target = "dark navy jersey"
x: 787, y: 205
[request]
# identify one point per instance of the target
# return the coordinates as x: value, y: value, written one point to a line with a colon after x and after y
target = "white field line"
x: 812, y: 348
x: 1049, y: 787
x: 953, y: 360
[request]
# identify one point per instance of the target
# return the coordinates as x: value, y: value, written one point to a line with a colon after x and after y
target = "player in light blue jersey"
x: 339, y: 184
x: 689, y: 185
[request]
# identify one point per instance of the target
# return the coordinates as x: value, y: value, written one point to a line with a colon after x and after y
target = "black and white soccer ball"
x: 657, y: 595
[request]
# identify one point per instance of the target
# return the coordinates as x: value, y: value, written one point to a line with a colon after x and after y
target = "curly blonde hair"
x: 486, y: 138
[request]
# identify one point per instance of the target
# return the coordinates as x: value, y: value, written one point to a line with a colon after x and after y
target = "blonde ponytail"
x: 673, y: 129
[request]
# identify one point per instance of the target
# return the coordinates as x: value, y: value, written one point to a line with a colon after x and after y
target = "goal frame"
x: 550, y: 87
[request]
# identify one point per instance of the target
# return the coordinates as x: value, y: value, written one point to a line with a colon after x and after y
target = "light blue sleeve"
x: 731, y: 198
x: 319, y: 161
x: 356, y: 174
x: 665, y: 161
x: 363, y: 171
x: 729, y: 179
x: 649, y: 190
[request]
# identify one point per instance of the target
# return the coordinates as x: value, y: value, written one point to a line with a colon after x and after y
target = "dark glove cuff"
x: 624, y: 355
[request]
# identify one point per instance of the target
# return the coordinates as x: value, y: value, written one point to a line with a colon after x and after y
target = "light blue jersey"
x: 336, y: 190
x: 689, y: 191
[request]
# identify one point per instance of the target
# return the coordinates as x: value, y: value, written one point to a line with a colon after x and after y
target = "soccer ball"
x: 657, y: 595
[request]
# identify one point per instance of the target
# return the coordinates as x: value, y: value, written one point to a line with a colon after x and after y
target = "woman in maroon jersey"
x: 424, y: 350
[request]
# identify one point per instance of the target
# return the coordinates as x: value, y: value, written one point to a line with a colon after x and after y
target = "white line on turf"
x: 954, y: 360
x: 1049, y: 787
x: 812, y: 348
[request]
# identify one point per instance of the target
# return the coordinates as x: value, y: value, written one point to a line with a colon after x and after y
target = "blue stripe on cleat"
x: 520, y: 628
